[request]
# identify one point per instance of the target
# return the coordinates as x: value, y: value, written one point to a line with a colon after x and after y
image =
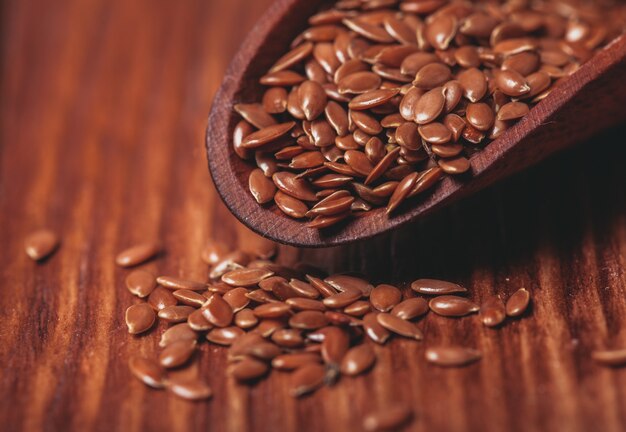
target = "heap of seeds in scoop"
x: 378, y: 99
x: 295, y: 319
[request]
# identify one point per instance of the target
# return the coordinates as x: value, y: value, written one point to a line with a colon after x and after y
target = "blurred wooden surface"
x: 103, y: 106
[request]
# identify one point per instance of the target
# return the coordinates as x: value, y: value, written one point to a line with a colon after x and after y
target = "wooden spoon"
x: 592, y: 99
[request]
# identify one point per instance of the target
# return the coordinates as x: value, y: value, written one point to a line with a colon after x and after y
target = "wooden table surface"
x: 103, y: 105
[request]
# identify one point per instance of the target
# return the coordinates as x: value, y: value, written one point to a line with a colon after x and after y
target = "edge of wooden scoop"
x: 590, y: 96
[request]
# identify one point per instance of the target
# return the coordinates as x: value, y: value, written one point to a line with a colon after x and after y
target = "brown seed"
x: 410, y: 308
x: 512, y: 111
x: 293, y: 57
x: 189, y: 298
x: 325, y: 55
x: 282, y: 78
x: 246, y: 319
x: 359, y: 82
x: 137, y: 254
x: 511, y: 83
x: 267, y: 135
x: 307, y: 379
x: 175, y: 314
x: 408, y: 104
x: 246, y: 277
x: 255, y: 115
x: 613, y: 358
x: 399, y: 326
x: 312, y: 99
x: 332, y: 205
x: 385, y: 297
x: 242, y: 130
x: 177, y: 353
x: 358, y: 360
x: 435, y: 133
x: 372, y: 98
x: 274, y: 101
x: 358, y: 308
x: 440, y: 30
x: 160, y: 298
x: 478, y: 25
x: 198, y: 322
x: 139, y: 318
x: 297, y: 188
x: 392, y: 417
x: 401, y: 192
x: 147, y: 371
x: 492, y: 312
x: 452, y: 306
x: 248, y: 369
x: 176, y: 333
x: 480, y: 115
x: 334, y: 346
x: 412, y: 64
x: 358, y: 162
x: 426, y: 180
x: 457, y: 165
x: 237, y: 298
x: 382, y: 166
x: 300, y: 303
x: 429, y: 106
x: 224, y: 335
x: 374, y: 330
x: 288, y: 338
x: 304, y: 289
x: 343, y: 282
x: 368, y: 31
x: 140, y: 283
x: 538, y: 82
x: 452, y: 356
x: 514, y: 46
x: 217, y: 311
x: 517, y: 304
x: 272, y: 310
x: 467, y: 56
x: 41, y: 244
x: 308, y: 320
x: 432, y: 75
x: 261, y: 188
x: 524, y: 63
x: 174, y: 283
x: 290, y: 206
x: 288, y: 362
x: 474, y: 84
x: 366, y: 122
x: 191, y: 390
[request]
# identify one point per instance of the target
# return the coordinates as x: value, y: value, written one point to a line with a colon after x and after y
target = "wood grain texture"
x: 594, y: 92
x: 103, y: 108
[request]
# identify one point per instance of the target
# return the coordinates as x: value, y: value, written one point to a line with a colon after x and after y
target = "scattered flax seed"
x: 613, y: 358
x: 41, y: 244
x: 138, y: 254
x: 517, y: 304
x: 452, y: 356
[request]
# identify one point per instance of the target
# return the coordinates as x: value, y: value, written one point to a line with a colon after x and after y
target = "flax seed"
x: 137, y: 254
x: 41, y: 244
x: 452, y: 306
x: 140, y: 283
x: 517, y: 304
x: 452, y: 356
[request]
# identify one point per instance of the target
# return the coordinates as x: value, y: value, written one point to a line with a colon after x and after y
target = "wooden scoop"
x: 592, y: 99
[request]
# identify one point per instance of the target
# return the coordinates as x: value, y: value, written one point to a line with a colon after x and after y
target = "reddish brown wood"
x: 102, y: 112
x: 590, y: 101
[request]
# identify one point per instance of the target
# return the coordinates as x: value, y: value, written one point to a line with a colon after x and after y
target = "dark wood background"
x: 103, y: 106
